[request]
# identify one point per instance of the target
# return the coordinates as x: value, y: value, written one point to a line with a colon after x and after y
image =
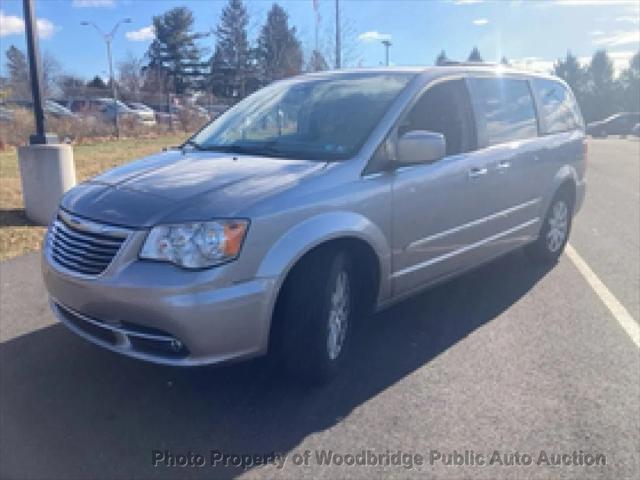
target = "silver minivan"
x: 310, y: 203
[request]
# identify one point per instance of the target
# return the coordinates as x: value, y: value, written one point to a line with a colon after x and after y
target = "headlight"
x: 196, y: 245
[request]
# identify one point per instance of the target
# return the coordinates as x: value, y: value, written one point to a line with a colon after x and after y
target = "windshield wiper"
x: 266, y: 149
x: 191, y: 143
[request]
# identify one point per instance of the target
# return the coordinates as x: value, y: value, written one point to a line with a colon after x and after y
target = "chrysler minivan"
x: 310, y: 203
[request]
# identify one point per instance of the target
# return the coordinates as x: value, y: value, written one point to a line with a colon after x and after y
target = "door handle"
x: 477, y: 172
x: 503, y: 165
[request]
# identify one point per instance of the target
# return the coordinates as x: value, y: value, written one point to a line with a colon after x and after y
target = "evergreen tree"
x: 18, y: 73
x: 442, y: 58
x: 629, y: 86
x: 231, y: 62
x: 600, y: 101
x: 279, y: 53
x: 97, y: 82
x: 475, y: 56
x: 571, y: 72
x: 174, y: 50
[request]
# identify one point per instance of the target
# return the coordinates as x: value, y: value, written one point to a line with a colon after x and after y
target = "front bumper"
x: 159, y: 313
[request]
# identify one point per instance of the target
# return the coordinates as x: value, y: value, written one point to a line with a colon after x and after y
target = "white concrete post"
x: 47, y: 171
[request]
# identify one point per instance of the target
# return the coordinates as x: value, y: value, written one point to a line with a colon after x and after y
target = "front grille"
x: 82, y: 246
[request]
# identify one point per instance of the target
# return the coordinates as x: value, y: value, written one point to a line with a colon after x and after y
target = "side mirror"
x: 421, y: 146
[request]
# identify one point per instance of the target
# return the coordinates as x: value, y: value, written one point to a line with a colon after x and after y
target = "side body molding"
x: 310, y: 233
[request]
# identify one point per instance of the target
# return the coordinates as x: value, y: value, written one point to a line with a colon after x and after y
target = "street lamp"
x: 108, y: 38
x: 387, y: 44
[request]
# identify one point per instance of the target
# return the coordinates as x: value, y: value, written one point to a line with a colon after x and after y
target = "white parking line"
x: 620, y: 313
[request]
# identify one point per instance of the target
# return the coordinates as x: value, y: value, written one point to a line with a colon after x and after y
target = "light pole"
x: 46, y: 166
x: 338, y: 46
x: 108, y: 38
x: 387, y: 44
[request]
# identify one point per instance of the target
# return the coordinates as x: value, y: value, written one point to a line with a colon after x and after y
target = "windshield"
x: 326, y: 118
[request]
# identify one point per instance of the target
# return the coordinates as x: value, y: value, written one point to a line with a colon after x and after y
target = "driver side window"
x: 444, y: 108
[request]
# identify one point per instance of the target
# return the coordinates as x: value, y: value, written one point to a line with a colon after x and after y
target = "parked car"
x: 310, y: 203
x: 164, y: 114
x: 50, y: 107
x: 618, y: 124
x: 175, y: 113
x: 106, y: 109
x: 215, y: 111
x: 636, y: 130
x: 56, y: 110
x: 144, y: 112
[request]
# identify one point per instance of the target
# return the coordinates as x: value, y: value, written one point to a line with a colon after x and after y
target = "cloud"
x: 480, y: 21
x: 594, y: 3
x: 628, y: 19
x: 532, y: 64
x: 14, y: 25
x: 142, y: 35
x: 596, y: 33
x: 46, y: 28
x: 467, y: 2
x: 10, y: 25
x: 373, y: 36
x: 92, y: 3
x: 617, y: 39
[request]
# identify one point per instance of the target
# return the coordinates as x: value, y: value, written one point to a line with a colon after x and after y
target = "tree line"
x: 176, y: 62
x: 598, y: 90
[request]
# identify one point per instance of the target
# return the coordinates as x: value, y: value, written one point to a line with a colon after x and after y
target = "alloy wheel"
x: 339, y: 311
x: 558, y: 226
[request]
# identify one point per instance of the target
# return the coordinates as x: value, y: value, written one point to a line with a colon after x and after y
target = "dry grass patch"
x: 17, y: 234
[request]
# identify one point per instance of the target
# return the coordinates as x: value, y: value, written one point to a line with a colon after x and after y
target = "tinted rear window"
x: 504, y: 110
x: 558, y: 108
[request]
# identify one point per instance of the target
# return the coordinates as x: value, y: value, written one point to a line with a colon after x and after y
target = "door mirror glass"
x: 421, y: 146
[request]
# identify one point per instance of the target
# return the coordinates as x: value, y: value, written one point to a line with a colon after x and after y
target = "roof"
x: 437, y: 70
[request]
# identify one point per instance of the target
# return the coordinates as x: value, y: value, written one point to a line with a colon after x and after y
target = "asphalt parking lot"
x: 510, y: 358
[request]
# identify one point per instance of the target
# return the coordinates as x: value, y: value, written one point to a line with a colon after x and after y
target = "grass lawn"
x: 17, y: 234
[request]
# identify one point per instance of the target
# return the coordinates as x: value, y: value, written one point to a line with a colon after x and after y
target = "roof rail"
x: 450, y: 63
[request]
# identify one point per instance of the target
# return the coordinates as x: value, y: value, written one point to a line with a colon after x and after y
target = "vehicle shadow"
x: 71, y: 410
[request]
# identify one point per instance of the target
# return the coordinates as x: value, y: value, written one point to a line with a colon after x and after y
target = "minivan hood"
x: 175, y: 187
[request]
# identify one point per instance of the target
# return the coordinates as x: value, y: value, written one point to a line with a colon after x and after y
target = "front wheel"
x: 554, y: 233
x: 318, y: 310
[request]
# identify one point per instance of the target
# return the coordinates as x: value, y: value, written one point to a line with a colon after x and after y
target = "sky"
x: 530, y: 33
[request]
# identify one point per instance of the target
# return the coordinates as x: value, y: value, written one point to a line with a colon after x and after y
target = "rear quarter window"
x: 504, y: 110
x: 558, y: 108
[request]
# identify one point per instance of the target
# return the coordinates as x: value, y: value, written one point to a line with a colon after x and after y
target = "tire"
x: 317, y: 316
x: 555, y: 230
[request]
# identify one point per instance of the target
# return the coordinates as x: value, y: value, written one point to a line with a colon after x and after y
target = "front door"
x: 438, y: 207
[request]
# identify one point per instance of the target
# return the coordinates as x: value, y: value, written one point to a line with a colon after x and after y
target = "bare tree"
x: 350, y: 53
x: 70, y: 86
x: 51, y: 70
x: 130, y: 78
x: 18, y: 70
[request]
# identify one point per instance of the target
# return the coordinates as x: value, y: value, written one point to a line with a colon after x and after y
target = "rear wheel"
x: 555, y: 230
x: 317, y: 312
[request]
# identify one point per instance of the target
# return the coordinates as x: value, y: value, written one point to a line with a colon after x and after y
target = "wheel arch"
x: 565, y: 177
x: 363, y: 240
